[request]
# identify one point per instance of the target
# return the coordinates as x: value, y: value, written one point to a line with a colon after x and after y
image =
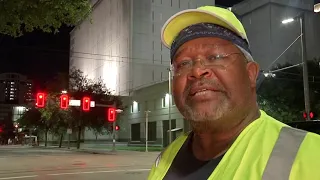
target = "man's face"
x: 211, y: 87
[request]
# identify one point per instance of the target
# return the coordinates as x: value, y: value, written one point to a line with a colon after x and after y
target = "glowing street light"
x: 286, y: 21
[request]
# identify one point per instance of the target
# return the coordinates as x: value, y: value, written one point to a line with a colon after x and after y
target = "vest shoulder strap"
x: 284, y: 153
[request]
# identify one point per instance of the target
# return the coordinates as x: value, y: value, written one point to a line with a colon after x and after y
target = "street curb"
x: 76, y: 150
x: 92, y: 151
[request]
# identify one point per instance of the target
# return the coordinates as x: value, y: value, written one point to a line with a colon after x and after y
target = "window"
x: 172, y: 101
x: 138, y: 107
x: 131, y: 108
x: 163, y: 102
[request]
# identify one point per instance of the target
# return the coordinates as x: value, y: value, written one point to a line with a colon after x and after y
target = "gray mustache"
x: 202, y: 82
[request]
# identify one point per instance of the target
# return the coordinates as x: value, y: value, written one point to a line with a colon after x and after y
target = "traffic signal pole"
x: 114, y: 136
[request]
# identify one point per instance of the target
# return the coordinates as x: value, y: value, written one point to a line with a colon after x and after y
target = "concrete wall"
x: 100, y: 47
x: 122, y: 43
x: 150, y: 59
x: 269, y: 37
x: 154, y: 99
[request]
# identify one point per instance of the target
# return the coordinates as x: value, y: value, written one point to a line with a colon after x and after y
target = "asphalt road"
x: 18, y: 162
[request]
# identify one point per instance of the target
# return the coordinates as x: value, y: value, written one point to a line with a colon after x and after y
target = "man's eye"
x: 183, y: 63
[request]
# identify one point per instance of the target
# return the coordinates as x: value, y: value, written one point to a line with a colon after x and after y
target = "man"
x: 214, y: 88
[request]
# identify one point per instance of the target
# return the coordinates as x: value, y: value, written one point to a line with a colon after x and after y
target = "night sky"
x: 41, y: 55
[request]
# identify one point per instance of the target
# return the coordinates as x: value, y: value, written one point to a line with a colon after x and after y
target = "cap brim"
x: 186, y: 18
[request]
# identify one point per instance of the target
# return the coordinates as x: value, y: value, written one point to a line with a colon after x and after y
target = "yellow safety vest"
x: 266, y: 149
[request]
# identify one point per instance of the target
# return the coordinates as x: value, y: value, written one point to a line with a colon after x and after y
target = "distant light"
x: 269, y: 75
x: 64, y: 92
x: 287, y: 21
x: 316, y: 8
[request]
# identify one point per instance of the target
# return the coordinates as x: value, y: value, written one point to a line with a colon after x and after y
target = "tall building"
x: 15, y: 89
x: 269, y: 37
x: 122, y: 43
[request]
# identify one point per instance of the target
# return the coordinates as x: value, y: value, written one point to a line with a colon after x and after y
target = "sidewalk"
x: 98, y: 150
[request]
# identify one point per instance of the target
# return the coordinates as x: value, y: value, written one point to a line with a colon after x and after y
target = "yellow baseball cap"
x: 204, y: 14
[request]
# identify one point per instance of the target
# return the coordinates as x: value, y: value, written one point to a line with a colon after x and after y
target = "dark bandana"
x: 207, y: 30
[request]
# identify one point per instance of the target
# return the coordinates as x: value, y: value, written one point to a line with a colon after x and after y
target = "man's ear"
x: 253, y: 72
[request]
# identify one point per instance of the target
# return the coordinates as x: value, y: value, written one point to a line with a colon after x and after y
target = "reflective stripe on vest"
x: 283, y: 154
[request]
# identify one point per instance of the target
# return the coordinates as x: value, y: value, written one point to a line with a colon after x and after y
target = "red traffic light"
x: 111, y: 114
x: 86, y: 104
x: 117, y: 128
x: 311, y: 115
x: 64, y: 101
x: 40, y: 100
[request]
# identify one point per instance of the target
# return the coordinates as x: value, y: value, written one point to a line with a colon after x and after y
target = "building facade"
x: 15, y: 88
x: 121, y: 44
x: 269, y: 37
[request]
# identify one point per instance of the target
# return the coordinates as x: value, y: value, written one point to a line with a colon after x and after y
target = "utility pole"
x: 114, y: 136
x: 147, y: 128
x: 169, y: 107
x: 304, y: 66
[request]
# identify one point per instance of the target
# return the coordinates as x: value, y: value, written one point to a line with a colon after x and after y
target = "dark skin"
x: 228, y: 102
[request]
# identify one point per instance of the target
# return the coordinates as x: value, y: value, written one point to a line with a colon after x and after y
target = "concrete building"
x: 122, y: 46
x: 15, y: 88
x: 269, y: 38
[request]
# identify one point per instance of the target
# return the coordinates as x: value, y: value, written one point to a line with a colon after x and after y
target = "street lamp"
x: 169, y: 106
x: 146, y: 128
x: 300, y: 17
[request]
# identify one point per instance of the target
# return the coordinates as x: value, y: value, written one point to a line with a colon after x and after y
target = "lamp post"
x: 169, y: 107
x: 300, y: 17
x: 118, y: 111
x: 147, y: 121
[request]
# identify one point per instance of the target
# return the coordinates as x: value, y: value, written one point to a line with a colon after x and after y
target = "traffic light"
x: 64, y: 101
x: 86, y: 104
x: 117, y: 128
x: 40, y: 100
x: 111, y: 114
x: 311, y: 115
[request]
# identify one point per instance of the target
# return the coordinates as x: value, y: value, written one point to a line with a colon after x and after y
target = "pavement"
x: 25, y: 162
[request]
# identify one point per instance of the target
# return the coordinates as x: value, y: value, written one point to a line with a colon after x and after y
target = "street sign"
x: 74, y: 102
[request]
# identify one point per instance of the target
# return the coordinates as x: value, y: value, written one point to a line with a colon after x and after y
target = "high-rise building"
x: 270, y: 38
x: 121, y: 44
x: 15, y: 89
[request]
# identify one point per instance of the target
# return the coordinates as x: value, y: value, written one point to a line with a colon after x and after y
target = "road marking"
x: 19, y: 177
x: 94, y: 172
x: 74, y: 173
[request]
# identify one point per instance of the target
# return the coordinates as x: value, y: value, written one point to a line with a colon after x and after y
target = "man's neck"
x: 211, y: 144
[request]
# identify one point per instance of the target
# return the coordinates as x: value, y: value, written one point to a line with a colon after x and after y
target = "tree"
x: 80, y: 86
x: 282, y: 96
x: 20, y: 16
x: 30, y: 120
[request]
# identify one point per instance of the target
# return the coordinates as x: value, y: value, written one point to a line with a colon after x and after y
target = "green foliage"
x: 20, y: 16
x: 282, y: 96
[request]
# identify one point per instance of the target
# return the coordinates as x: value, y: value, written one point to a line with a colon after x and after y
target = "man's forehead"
x: 206, y: 43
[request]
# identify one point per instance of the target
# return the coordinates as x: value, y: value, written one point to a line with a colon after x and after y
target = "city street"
x: 19, y: 162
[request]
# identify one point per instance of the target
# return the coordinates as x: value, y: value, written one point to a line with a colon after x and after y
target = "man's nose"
x: 199, y: 71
